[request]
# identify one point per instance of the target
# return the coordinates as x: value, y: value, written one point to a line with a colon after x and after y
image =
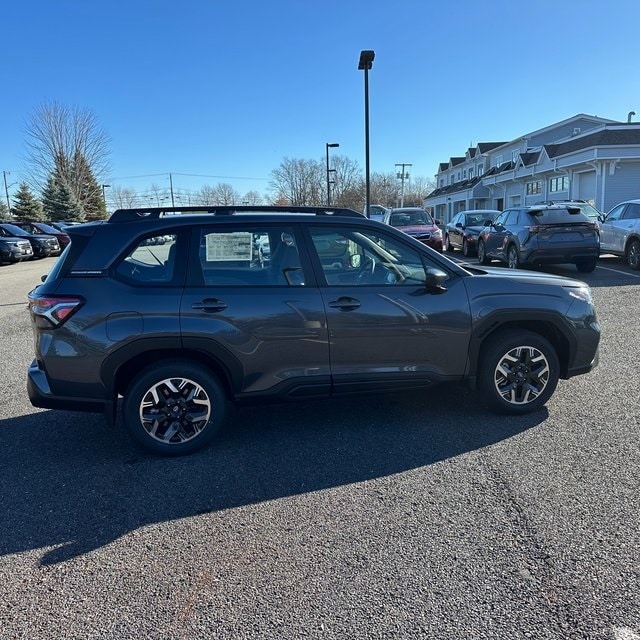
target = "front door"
x: 385, y: 326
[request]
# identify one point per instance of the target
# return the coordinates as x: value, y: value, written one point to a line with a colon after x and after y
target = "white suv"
x: 620, y: 232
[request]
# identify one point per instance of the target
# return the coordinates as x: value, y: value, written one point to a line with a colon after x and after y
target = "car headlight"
x: 581, y: 293
x: 437, y: 234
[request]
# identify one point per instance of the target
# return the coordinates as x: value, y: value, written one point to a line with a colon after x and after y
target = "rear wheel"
x: 633, y: 254
x: 518, y: 371
x: 513, y: 257
x: 482, y: 257
x: 586, y: 266
x: 174, y: 408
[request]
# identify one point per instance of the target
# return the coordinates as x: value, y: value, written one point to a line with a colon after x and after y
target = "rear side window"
x: 246, y: 256
x: 151, y: 261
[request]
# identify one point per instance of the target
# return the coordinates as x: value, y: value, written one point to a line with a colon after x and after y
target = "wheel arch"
x: 545, y: 327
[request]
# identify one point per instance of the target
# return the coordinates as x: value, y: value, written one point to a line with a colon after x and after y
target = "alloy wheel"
x: 512, y: 258
x: 633, y: 255
x: 521, y: 375
x: 175, y: 410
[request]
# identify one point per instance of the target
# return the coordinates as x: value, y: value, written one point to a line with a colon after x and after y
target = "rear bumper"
x: 557, y: 255
x: 40, y: 395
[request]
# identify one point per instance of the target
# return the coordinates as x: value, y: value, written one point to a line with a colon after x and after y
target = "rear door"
x: 261, y: 317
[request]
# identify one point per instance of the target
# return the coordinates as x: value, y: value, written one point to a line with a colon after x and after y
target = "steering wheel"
x: 366, y: 270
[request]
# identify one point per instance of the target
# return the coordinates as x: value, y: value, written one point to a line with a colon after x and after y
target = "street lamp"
x: 104, y: 198
x: 329, y: 145
x: 364, y: 64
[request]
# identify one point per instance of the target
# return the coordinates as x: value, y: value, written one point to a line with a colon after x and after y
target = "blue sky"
x: 222, y: 91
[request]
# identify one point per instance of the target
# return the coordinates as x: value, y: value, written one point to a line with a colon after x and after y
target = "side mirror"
x: 459, y: 225
x: 438, y: 221
x: 436, y: 279
x: 355, y: 261
x: 43, y: 277
x: 488, y: 223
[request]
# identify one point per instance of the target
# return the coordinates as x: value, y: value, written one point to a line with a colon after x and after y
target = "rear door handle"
x: 345, y: 304
x: 210, y: 305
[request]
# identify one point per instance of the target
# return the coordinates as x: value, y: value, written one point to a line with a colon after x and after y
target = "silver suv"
x: 620, y: 232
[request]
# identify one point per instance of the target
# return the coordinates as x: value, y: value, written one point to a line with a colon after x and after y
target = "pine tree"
x: 25, y: 204
x: 88, y: 191
x: 50, y: 197
x: 66, y: 206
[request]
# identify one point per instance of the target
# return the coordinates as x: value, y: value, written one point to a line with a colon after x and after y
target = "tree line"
x: 67, y: 150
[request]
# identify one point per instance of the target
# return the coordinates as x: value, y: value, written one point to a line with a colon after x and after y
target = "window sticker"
x: 229, y: 246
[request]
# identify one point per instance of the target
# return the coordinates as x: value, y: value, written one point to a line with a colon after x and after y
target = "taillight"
x: 534, y: 228
x: 53, y: 311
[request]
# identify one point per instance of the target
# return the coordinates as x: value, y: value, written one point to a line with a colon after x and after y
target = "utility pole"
x: 402, y: 176
x: 6, y: 190
x: 173, y: 204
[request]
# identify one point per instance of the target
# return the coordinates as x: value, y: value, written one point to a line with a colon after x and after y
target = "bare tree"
x: 252, y: 198
x: 124, y: 198
x: 346, y: 191
x: 206, y: 196
x: 225, y: 194
x: 299, y: 182
x: 416, y: 191
x: 69, y: 143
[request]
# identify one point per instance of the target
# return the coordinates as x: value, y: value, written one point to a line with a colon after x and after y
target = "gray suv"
x: 620, y: 232
x: 174, y: 332
x: 543, y: 234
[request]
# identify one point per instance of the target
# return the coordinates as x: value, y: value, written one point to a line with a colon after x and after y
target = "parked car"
x: 464, y: 228
x: 417, y: 223
x: 376, y: 212
x: 42, y: 245
x: 620, y: 232
x: 14, y: 249
x: 344, y: 305
x: 36, y: 227
x: 544, y: 234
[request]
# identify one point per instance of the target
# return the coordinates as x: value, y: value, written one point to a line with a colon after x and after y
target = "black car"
x: 36, y: 227
x: 464, y: 228
x: 43, y: 245
x: 543, y: 234
x: 343, y: 305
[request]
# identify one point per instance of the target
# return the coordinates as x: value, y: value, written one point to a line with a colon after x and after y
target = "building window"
x: 470, y: 173
x: 514, y: 155
x: 480, y: 169
x: 442, y: 182
x: 559, y: 184
x: 464, y: 174
x: 534, y: 187
x: 452, y: 179
x: 499, y: 160
x: 458, y: 176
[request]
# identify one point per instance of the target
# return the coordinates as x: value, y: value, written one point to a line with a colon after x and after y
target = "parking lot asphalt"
x: 407, y: 516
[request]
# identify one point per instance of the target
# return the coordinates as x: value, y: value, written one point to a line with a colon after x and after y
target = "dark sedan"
x: 43, y: 245
x: 42, y: 227
x: 463, y: 230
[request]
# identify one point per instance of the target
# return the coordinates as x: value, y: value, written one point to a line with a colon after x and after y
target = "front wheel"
x: 482, y: 256
x: 518, y: 371
x: 633, y: 254
x: 466, y: 252
x: 447, y: 244
x: 174, y: 408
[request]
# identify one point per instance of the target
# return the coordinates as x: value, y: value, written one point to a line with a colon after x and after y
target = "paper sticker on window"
x: 229, y: 246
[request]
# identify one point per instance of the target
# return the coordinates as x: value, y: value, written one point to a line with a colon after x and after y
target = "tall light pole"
x: 364, y: 64
x: 328, y: 145
x: 6, y: 191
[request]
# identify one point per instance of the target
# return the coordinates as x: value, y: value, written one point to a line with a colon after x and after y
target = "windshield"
x: 406, y: 218
x: 588, y: 209
x: 46, y: 228
x: 16, y: 231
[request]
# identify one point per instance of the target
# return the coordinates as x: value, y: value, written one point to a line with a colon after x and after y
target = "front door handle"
x: 210, y: 305
x: 345, y: 304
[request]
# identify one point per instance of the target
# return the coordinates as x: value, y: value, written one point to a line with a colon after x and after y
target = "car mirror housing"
x: 435, y: 279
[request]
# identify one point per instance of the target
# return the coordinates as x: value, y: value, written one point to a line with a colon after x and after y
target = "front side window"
x: 356, y: 257
x: 248, y: 256
x: 616, y: 213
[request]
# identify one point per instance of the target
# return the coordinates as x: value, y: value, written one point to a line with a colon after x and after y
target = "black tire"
x: 482, y: 256
x: 586, y: 266
x: 465, y: 249
x: 633, y: 254
x: 185, y: 407
x: 447, y: 244
x: 513, y: 257
x: 518, y: 371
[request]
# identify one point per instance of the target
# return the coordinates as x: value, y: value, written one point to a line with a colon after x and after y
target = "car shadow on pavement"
x: 71, y: 485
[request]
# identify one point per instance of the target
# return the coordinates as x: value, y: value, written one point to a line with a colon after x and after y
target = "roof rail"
x: 130, y: 215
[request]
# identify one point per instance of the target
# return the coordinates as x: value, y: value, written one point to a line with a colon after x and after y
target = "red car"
x: 43, y: 227
x: 417, y: 223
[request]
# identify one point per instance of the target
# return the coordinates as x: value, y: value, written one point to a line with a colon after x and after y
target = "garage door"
x: 586, y: 186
